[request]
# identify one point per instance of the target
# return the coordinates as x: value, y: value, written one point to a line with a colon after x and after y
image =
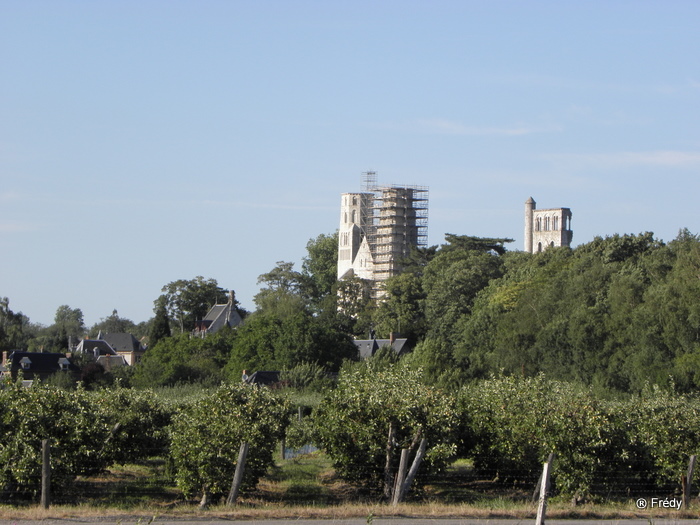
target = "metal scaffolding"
x: 396, y: 220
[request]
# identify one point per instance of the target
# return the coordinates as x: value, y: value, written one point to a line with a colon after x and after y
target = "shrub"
x: 206, y: 436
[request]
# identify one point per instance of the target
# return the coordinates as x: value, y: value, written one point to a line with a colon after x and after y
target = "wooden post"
x: 45, y: 474
x: 388, y: 478
x: 238, y: 475
x: 414, y: 467
x: 400, y: 476
x: 688, y: 483
x: 544, y: 490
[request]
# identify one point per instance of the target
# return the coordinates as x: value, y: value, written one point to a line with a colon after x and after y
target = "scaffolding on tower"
x: 400, y: 216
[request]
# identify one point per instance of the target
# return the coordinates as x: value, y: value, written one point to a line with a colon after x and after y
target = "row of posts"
x: 543, y: 485
x: 401, y: 485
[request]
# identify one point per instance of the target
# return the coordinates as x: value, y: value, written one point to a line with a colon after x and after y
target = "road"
x: 353, y: 521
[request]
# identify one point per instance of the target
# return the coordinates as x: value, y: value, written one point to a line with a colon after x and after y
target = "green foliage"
x: 190, y: 300
x: 206, y: 436
x: 401, y: 311
x: 614, y: 313
x: 665, y: 427
x: 70, y: 320
x: 113, y: 324
x: 353, y: 421
x: 139, y: 423
x: 309, y: 376
x: 512, y: 425
x: 185, y: 359
x: 272, y: 342
x: 160, y: 329
x: 73, y: 423
x: 12, y: 336
x: 320, y: 266
x: 354, y: 306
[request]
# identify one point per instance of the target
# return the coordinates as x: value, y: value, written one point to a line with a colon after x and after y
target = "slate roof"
x: 88, y: 346
x: 368, y: 347
x: 219, y: 316
x: 263, y: 378
x: 122, y: 342
x: 40, y: 364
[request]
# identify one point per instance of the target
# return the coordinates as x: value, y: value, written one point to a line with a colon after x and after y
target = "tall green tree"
x: 160, y: 328
x: 71, y: 320
x: 189, y: 300
x: 320, y: 267
x: 11, y: 327
x: 113, y: 324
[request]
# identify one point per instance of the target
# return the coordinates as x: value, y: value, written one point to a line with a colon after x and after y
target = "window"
x: 539, y: 247
x: 556, y: 223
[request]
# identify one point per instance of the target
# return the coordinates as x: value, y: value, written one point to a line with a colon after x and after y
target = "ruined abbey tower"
x: 546, y: 228
x: 378, y: 226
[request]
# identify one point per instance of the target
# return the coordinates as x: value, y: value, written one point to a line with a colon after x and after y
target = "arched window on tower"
x: 354, y: 200
x: 346, y: 218
x: 353, y: 214
x: 538, y: 224
x: 555, y: 222
x: 539, y: 247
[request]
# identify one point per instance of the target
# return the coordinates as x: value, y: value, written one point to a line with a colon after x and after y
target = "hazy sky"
x: 147, y: 141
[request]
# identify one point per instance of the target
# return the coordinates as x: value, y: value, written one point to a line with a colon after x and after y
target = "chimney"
x: 392, y: 338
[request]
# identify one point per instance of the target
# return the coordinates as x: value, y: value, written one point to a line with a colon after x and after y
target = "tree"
x: 374, y: 413
x: 113, y: 324
x: 71, y: 320
x: 401, y: 310
x: 283, y: 292
x: 206, y: 436
x: 354, y: 306
x: 11, y: 327
x: 189, y: 300
x: 320, y: 266
x: 160, y: 328
x: 276, y: 342
x: 184, y: 359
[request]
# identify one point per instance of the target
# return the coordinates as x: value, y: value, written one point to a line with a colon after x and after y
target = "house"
x: 369, y: 347
x: 102, y: 351
x: 218, y: 317
x: 263, y: 378
x: 125, y: 345
x: 36, y: 365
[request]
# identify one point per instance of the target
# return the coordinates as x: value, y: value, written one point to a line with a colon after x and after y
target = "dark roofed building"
x: 37, y: 365
x: 369, y: 347
x: 125, y: 345
x: 263, y: 378
x: 95, y: 347
x: 218, y: 317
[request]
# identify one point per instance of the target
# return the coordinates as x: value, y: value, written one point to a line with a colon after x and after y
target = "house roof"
x: 221, y: 315
x: 122, y: 342
x: 263, y: 378
x: 39, y: 362
x: 88, y: 346
x: 368, y: 347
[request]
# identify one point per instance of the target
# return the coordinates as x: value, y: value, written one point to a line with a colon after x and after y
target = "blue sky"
x: 147, y: 141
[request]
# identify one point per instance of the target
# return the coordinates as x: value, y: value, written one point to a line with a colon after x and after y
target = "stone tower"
x: 546, y: 228
x: 378, y: 227
x: 354, y: 254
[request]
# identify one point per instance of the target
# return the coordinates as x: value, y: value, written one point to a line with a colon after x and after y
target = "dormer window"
x: 25, y: 362
x: 63, y: 363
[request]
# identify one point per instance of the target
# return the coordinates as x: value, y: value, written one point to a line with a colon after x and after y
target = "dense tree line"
x: 613, y: 313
